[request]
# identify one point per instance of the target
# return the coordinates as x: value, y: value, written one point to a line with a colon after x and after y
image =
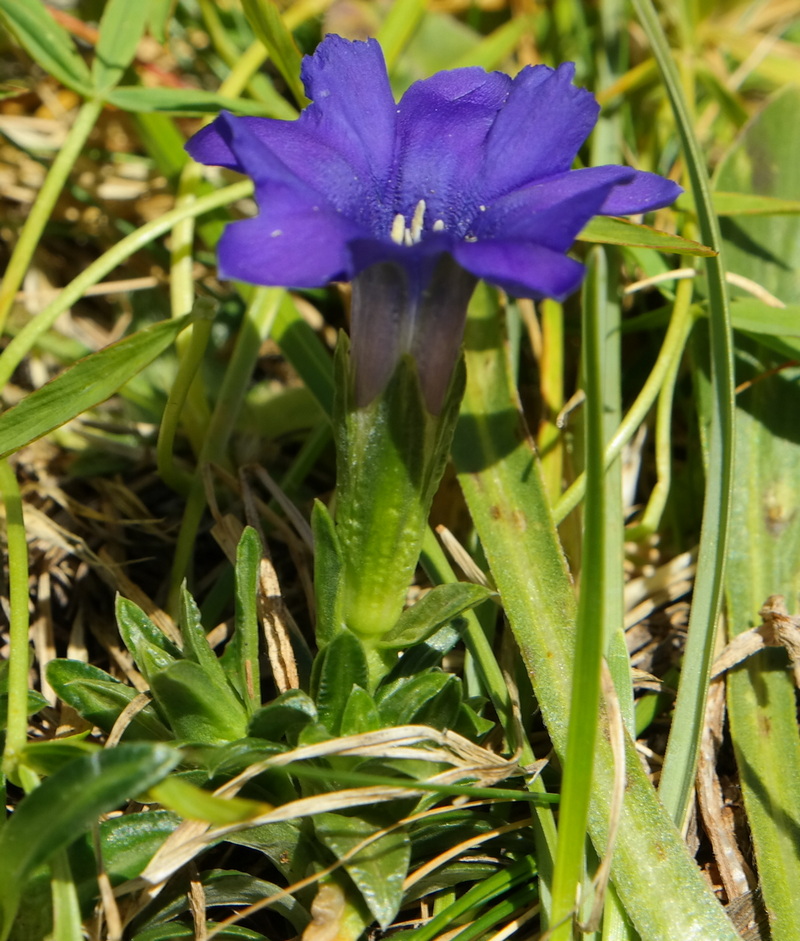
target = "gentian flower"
x: 467, y: 176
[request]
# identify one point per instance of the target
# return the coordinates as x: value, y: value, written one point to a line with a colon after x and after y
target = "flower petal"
x: 352, y: 109
x: 538, y: 131
x: 287, y: 246
x: 643, y: 192
x: 553, y: 212
x: 442, y: 124
x: 521, y: 268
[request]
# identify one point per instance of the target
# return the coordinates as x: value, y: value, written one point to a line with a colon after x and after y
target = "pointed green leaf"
x: 327, y: 573
x: 612, y: 231
x: 198, y: 710
x: 268, y: 25
x: 360, y: 713
x: 427, y: 699
x: 240, y: 659
x: 90, y: 381
x: 343, y: 666
x: 121, y: 27
x: 378, y: 870
x: 183, y: 101
x: 434, y: 610
x: 284, y: 716
x: 67, y: 804
x: 196, y: 804
x: 99, y: 698
x: 47, y: 43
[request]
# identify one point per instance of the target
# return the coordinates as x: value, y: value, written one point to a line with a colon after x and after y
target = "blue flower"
x: 471, y: 167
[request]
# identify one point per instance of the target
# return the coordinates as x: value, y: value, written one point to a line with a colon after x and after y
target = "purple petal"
x: 353, y: 109
x: 287, y: 246
x: 553, y: 212
x: 539, y: 130
x: 521, y: 268
x: 442, y: 126
x: 643, y: 192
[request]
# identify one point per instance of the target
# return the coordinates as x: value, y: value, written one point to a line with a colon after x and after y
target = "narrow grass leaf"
x: 398, y: 27
x: 677, y: 779
x: 612, y: 231
x: 765, y: 547
x: 181, y: 101
x: 47, y: 43
x: 746, y: 204
x: 121, y: 27
x: 71, y: 801
x: 196, y: 804
x: 268, y: 25
x: 90, y: 381
x: 497, y: 46
x: 500, y: 476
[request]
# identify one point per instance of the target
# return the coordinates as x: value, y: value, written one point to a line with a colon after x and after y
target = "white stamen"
x: 438, y: 226
x: 398, y: 228
x: 482, y: 208
x: 417, y: 221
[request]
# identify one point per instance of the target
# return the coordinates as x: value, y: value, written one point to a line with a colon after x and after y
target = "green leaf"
x: 283, y: 717
x: 229, y: 889
x: 121, y: 27
x: 150, y: 647
x: 765, y: 546
x: 501, y: 479
x: 360, y: 713
x: 182, y: 101
x: 46, y: 758
x: 99, y: 698
x: 198, y: 711
x: 129, y: 842
x: 268, y: 25
x: 745, y: 204
x: 90, y: 381
x: 67, y: 804
x: 612, y: 231
x: 434, y: 610
x: 159, y: 16
x: 343, y: 665
x: 427, y: 699
x: 240, y: 660
x: 757, y: 317
x: 378, y: 870
x: 196, y: 804
x: 327, y: 574
x: 35, y: 702
x: 46, y: 42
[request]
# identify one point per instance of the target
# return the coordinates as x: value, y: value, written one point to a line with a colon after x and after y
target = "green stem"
x: 195, y: 413
x: 651, y: 518
x: 255, y: 328
x: 19, y: 650
x: 677, y: 776
x: 551, y: 370
x: 190, y: 361
x: 576, y: 784
x: 672, y: 349
x: 26, y: 339
x: 43, y: 205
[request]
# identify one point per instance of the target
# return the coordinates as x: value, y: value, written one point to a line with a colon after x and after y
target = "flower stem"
x: 43, y: 205
x: 670, y: 353
x: 18, y: 658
